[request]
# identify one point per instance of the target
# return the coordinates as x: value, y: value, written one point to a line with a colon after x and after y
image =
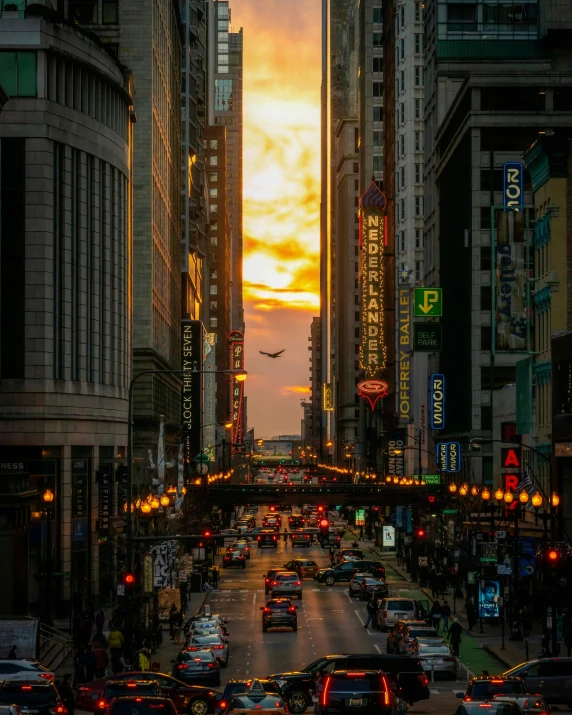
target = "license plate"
x: 355, y: 702
x: 401, y: 615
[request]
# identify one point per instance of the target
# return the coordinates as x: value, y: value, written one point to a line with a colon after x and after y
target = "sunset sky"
x: 281, y: 202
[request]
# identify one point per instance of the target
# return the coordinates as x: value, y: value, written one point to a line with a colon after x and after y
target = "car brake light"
x: 423, y: 679
x: 291, y: 609
x: 46, y: 676
x: 218, y: 647
x: 222, y: 704
x: 192, y: 648
x: 484, y: 705
x: 182, y: 666
x: 297, y: 583
x: 275, y: 583
x: 258, y: 538
x: 325, y: 693
x: 356, y: 675
x: 131, y: 685
x: 101, y: 704
x: 212, y: 665
x: 26, y: 687
x: 59, y: 710
x: 386, y: 695
x: 274, y: 538
x: 266, y: 610
x: 138, y: 700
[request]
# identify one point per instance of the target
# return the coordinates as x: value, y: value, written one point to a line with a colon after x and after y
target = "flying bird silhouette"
x: 272, y: 355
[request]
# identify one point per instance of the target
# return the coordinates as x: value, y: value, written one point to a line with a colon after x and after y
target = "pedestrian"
x: 285, y: 537
x: 143, y: 660
x: 89, y: 663
x: 66, y: 693
x: 12, y: 653
x: 371, y: 609
x: 216, y: 576
x: 101, y: 659
x: 177, y: 627
x: 360, y: 537
x: 100, y: 638
x: 433, y: 584
x: 332, y: 551
x: 99, y: 621
x: 86, y: 626
x: 445, y: 612
x: 455, y: 637
x: 115, y: 641
x: 392, y: 643
x: 117, y: 663
x: 183, y: 588
x: 172, y: 619
x: 436, y: 615
x: 526, y: 620
x: 471, y: 614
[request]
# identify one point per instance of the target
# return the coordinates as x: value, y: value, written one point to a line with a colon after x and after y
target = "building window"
x: 377, y: 39
x: 378, y: 64
x: 213, y: 321
x: 81, y: 12
x: 419, y: 206
x: 418, y: 12
x: 418, y: 109
x: 418, y: 141
x: 213, y: 178
x: 214, y: 290
x: 402, y: 241
x: 378, y: 138
x: 18, y: 73
x: 376, y: 114
x: 418, y: 173
x: 402, y: 49
x: 417, y: 270
x: 378, y: 89
x: 213, y: 144
x: 110, y: 12
x: 418, y: 43
x: 356, y: 168
x: 419, y: 76
x: 213, y: 160
x: 402, y: 16
x: 214, y: 226
x: 214, y: 305
x: 402, y: 113
x: 402, y: 81
x: 213, y: 193
x: 418, y: 238
x: 223, y: 95
x: 213, y: 208
x: 214, y: 240
x: 402, y: 209
x: 377, y: 15
x: 377, y: 163
x: 402, y: 144
x: 402, y: 174
x: 461, y: 14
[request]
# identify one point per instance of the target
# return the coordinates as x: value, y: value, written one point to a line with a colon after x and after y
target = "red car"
x: 188, y: 699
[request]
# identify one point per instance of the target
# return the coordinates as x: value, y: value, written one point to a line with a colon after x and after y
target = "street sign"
x: 428, y: 303
x: 513, y: 185
x: 430, y: 479
x: 450, y: 511
x: 427, y: 337
x: 441, y: 456
x: 422, y: 561
x: 504, y: 569
x: 202, y: 468
x: 437, y: 402
x: 453, y: 456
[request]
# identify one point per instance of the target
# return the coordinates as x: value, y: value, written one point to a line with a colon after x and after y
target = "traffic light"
x: 324, y: 531
x: 207, y: 533
x: 129, y: 581
x: 552, y: 558
x: 420, y: 533
x: 320, y: 508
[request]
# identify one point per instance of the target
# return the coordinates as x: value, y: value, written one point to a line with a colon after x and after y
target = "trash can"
x: 196, y: 582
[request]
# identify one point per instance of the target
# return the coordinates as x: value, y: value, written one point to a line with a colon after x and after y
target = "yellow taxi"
x: 256, y: 700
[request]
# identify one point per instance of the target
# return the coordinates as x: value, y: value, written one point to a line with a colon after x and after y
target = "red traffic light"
x: 129, y: 579
x: 320, y: 508
x: 207, y: 533
x: 272, y: 508
x: 552, y: 555
x: 324, y: 523
x: 420, y: 533
x: 431, y: 500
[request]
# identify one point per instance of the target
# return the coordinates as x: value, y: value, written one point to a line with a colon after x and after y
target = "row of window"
x: 417, y: 143
x: 418, y: 208
x: 400, y: 15
x: 418, y: 79
x: 400, y: 48
x: 400, y: 175
x: 418, y: 240
x: 400, y: 116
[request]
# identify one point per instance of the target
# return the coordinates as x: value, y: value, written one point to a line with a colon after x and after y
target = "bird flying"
x: 272, y: 355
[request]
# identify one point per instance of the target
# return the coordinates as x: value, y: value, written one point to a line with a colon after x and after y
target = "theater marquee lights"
x: 373, y: 351
x: 236, y: 344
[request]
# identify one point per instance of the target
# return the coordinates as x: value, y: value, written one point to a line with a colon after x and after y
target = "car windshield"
x: 27, y: 695
x: 354, y: 684
x: 206, y: 639
x: 400, y: 606
x: 287, y: 577
x: 145, y: 707
x: 425, y: 649
x: 488, y: 688
x: 204, y: 655
x: 279, y: 605
x: 374, y: 582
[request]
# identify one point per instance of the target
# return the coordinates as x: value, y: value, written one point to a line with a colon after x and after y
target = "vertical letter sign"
x: 437, y: 402
x: 513, y: 185
x: 372, y: 348
x: 236, y: 344
x: 192, y: 397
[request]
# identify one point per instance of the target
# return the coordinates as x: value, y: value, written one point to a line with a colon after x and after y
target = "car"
x: 436, y: 657
x: 404, y: 671
x: 215, y: 619
x: 373, y: 587
x: 492, y: 708
x: 549, y: 677
x: 267, y: 537
x: 349, y: 555
x: 344, y: 572
x: 40, y: 697
x: 286, y: 583
x: 301, y: 538
x: 345, y: 691
x: 485, y: 687
x: 200, y: 667
x: 146, y: 705
x: 355, y: 583
x: 395, y: 609
x: 279, y: 613
x: 131, y: 686
x: 296, y: 521
x: 233, y: 559
x: 214, y: 643
x: 213, y: 625
x: 251, y: 509
x: 241, y: 546
x: 21, y: 669
x: 408, y: 633
x: 202, y: 631
x: 305, y: 568
x: 10, y: 710
x: 190, y: 699
x: 256, y: 700
x: 269, y: 577
x: 237, y: 685
x: 529, y: 704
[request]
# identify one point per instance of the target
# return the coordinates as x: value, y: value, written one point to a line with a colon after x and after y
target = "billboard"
x: 489, y: 592
x: 403, y: 357
x: 513, y: 185
x: 236, y: 344
x: 209, y: 382
x: 192, y: 393
x: 510, y: 283
x: 437, y: 402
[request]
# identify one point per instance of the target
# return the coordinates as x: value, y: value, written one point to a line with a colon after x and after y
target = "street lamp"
x: 48, y: 498
x: 165, y: 501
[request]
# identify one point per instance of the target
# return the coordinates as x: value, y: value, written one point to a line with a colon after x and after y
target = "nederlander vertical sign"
x: 192, y: 407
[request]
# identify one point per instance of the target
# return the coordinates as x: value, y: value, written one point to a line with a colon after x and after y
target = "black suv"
x: 405, y: 672
x: 344, y: 572
x: 348, y: 691
x: 37, y: 697
x: 236, y: 685
x: 549, y: 677
x: 485, y: 687
x: 279, y: 613
x: 267, y: 537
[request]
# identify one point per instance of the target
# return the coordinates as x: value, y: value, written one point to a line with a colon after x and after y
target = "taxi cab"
x: 256, y: 700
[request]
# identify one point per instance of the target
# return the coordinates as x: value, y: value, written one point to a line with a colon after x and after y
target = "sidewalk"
x: 478, y: 651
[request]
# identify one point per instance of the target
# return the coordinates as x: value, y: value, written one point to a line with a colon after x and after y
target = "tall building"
x: 146, y: 37
x: 225, y: 108
x: 491, y: 90
x: 312, y: 426
x: 66, y: 262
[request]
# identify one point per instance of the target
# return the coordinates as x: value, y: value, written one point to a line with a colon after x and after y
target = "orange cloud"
x: 296, y: 390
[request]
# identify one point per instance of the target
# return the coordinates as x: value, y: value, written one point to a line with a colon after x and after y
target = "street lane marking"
x: 253, y: 598
x: 378, y: 649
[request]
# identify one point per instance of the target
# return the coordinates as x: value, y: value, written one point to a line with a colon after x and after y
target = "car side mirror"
x: 460, y: 695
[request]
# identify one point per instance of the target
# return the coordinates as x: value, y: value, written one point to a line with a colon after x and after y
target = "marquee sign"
x: 236, y: 343
x: 372, y: 390
x: 192, y: 408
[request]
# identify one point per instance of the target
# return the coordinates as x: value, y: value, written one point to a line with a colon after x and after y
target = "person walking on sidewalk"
x: 436, y: 615
x: 455, y: 637
x: 445, y: 612
x: 332, y: 551
x: 471, y: 614
x: 360, y: 537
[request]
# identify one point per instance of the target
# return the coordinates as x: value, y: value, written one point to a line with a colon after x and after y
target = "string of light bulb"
x: 503, y: 496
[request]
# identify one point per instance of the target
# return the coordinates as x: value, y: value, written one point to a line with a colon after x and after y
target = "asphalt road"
x: 328, y: 622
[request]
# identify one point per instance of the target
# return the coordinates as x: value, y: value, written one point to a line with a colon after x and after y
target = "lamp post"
x: 238, y: 374
x: 48, y: 498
